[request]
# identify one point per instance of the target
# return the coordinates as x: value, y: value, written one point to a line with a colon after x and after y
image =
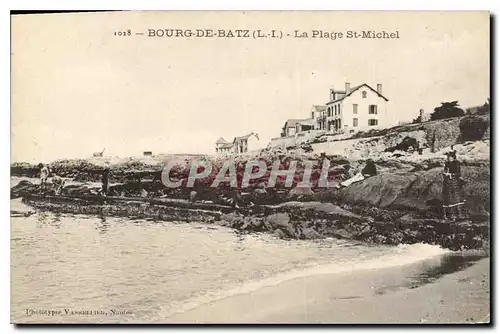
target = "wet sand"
x: 436, y: 291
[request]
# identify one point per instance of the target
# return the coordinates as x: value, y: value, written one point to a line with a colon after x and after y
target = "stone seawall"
x: 433, y: 135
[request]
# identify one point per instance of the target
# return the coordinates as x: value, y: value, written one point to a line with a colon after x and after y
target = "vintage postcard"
x: 254, y: 167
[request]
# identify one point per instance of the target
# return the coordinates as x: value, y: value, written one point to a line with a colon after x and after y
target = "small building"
x: 223, y: 146
x: 318, y: 113
x: 424, y: 117
x: 147, y: 153
x: 305, y: 125
x: 295, y: 126
x: 239, y: 145
x: 290, y: 128
x: 356, y: 109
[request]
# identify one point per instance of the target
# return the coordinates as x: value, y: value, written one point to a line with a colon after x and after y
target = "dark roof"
x: 355, y: 89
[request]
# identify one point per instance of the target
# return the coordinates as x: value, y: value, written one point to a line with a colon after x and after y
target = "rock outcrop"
x: 419, y: 191
x: 402, y: 204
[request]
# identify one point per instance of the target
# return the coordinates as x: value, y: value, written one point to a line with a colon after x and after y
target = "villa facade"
x: 350, y: 110
x: 360, y: 108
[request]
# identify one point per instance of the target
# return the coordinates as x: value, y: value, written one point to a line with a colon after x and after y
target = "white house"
x: 239, y: 144
x: 360, y: 108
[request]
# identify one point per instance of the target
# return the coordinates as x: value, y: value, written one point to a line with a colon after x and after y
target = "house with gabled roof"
x: 359, y: 108
x: 290, y: 127
x: 223, y: 146
x: 238, y: 145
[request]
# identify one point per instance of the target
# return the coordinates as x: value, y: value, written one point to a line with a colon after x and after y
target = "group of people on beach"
x: 60, y: 182
x: 57, y: 181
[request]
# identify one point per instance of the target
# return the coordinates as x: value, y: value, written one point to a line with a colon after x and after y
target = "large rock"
x: 23, y: 188
x: 418, y: 191
x: 282, y: 222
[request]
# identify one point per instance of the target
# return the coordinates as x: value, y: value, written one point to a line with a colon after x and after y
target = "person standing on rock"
x: 236, y: 198
x: 452, y: 188
x: 44, y: 175
x: 370, y: 169
x: 105, y: 181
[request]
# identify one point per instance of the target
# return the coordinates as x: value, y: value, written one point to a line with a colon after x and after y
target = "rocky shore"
x: 402, y: 204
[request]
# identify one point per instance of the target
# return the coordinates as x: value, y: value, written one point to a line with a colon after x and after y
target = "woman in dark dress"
x: 452, y: 188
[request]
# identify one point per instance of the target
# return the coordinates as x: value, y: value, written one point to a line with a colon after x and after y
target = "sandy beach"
x: 391, y: 295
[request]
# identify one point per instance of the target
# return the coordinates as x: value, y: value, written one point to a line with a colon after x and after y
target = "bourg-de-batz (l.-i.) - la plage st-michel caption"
x: 163, y: 172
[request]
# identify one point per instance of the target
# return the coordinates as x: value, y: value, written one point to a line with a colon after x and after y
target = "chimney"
x: 332, y: 94
x: 379, y: 88
x: 347, y: 87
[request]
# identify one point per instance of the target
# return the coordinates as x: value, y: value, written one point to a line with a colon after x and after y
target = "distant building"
x: 318, y: 113
x: 424, y: 117
x: 294, y: 126
x: 223, y: 146
x: 290, y: 128
x: 350, y: 110
x: 147, y: 153
x: 238, y: 145
x: 356, y: 109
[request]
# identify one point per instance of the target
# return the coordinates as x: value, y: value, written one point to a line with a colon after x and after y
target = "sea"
x: 69, y: 268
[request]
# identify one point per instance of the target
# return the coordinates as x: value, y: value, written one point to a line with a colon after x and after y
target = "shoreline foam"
x: 404, y: 255
x: 459, y: 297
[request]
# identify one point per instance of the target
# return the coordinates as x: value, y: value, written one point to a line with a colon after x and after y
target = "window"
x: 354, y: 122
x: 372, y: 109
x: 312, y: 114
x: 363, y: 94
x: 373, y: 122
x: 354, y: 108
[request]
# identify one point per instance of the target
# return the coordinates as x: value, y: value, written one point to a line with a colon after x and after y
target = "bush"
x: 473, y: 128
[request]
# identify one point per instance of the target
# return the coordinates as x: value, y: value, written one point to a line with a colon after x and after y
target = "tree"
x: 485, y: 108
x: 447, y: 110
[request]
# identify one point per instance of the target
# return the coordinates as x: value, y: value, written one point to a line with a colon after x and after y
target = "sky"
x: 77, y: 88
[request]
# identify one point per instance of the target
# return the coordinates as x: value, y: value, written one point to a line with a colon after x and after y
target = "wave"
x: 398, y: 256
